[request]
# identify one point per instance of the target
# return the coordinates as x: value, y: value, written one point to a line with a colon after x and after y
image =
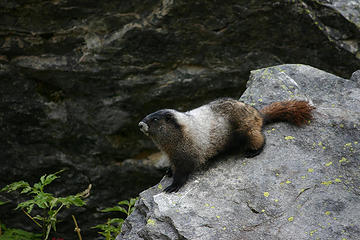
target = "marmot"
x: 191, y: 138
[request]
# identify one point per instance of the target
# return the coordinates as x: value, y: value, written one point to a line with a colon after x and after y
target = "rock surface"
x: 304, y: 185
x: 76, y: 77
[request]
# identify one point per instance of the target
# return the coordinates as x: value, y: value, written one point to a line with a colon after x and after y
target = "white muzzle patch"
x: 144, y: 128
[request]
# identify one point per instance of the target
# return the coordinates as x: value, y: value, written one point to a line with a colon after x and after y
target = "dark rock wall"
x: 77, y: 76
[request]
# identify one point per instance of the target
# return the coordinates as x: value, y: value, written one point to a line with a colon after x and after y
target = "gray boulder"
x: 304, y: 185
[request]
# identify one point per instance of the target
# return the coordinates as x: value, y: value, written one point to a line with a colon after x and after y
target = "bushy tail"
x: 295, y: 112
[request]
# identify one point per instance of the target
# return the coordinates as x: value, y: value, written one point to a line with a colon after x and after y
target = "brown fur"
x: 295, y: 112
x: 248, y: 121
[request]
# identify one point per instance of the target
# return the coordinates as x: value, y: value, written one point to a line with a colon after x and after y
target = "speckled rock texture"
x: 77, y: 75
x: 304, y: 185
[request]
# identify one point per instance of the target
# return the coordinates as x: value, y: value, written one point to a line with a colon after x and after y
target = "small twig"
x: 77, y: 229
x: 32, y: 218
x: 57, y: 211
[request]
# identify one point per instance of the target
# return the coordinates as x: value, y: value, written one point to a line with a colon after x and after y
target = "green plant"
x: 18, y: 234
x: 113, y: 226
x: 49, y: 204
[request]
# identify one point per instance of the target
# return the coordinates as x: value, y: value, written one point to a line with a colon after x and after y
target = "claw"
x: 172, y: 188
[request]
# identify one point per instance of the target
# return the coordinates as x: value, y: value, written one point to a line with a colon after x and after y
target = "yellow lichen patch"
x: 260, y: 100
x: 302, y: 190
x: 262, y: 210
x: 276, y: 200
x: 341, y: 125
x: 337, y: 180
x: 207, y: 205
x: 289, y: 138
x: 303, y: 177
x: 312, y: 232
x: 217, y: 217
x: 327, y: 213
x: 266, y: 194
x: 310, y: 170
x: 212, y: 207
x: 288, y: 182
x: 290, y: 219
x: 151, y: 222
x: 348, y: 144
x: 320, y: 144
x: 160, y: 186
x: 328, y: 164
x: 326, y: 183
x: 343, y: 159
x: 356, y: 142
x: 224, y: 228
x: 271, y: 130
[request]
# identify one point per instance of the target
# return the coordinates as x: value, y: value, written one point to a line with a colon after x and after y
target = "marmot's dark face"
x: 160, y: 125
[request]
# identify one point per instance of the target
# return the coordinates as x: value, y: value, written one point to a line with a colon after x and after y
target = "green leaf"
x: 26, y: 190
x: 42, y: 179
x: 38, y: 187
x: 49, y: 179
x: 115, y: 209
x: 2, y: 203
x: 29, y: 205
x: 72, y: 200
x: 133, y: 201
x: 51, y: 212
x: 18, y: 234
x: 124, y: 202
x: 38, y: 217
x: 116, y: 220
x: 101, y: 226
x: 42, y: 199
x: 15, y: 186
x: 54, y: 202
x: 131, y: 210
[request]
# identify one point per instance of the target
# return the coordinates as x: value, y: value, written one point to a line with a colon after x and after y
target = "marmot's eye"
x: 168, y: 116
x: 155, y: 119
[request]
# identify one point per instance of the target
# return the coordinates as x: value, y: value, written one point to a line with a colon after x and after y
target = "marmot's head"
x: 161, y: 126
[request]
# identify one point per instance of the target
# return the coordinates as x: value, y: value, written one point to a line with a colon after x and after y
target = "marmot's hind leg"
x: 255, y: 143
